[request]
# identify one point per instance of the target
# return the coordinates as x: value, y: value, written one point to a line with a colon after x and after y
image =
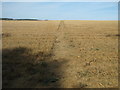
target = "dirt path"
x: 62, y: 51
x: 60, y: 43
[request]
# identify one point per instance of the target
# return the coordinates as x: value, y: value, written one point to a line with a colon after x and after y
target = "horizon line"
x: 54, y: 19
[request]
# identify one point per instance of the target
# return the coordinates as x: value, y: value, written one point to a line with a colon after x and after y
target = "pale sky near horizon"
x: 61, y: 10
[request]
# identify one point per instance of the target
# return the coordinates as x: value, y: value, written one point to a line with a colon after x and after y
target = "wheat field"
x: 60, y: 54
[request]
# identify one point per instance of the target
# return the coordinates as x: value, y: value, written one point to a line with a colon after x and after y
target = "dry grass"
x: 80, y: 54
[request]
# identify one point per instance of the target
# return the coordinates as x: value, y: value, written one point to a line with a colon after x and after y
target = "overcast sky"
x: 61, y: 10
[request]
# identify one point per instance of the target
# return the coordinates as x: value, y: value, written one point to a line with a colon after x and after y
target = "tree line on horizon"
x: 20, y: 19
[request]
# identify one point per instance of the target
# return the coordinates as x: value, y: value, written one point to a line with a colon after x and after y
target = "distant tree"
x: 17, y: 19
x: 26, y: 19
x: 6, y: 19
x: 46, y: 19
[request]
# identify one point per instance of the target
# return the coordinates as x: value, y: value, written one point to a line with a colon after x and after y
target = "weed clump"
x: 6, y: 35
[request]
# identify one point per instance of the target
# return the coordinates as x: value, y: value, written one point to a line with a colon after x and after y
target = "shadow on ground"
x: 22, y: 69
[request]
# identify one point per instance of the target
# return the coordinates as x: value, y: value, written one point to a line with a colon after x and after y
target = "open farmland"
x: 60, y: 54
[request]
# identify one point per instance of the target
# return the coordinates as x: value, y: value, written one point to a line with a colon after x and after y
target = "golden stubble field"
x: 60, y: 54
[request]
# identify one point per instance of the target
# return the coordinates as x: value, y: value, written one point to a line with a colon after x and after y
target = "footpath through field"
x: 63, y: 52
